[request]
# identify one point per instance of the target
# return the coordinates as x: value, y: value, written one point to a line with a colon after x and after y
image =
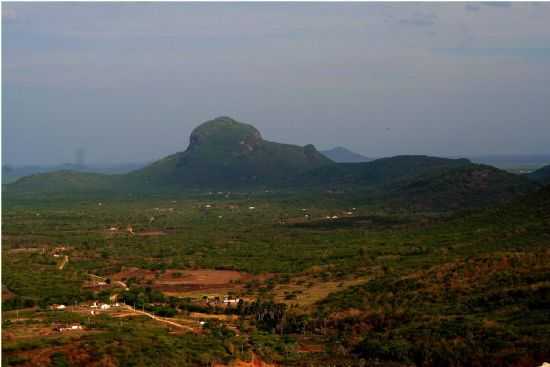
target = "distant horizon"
x: 130, y: 81
x: 521, y: 156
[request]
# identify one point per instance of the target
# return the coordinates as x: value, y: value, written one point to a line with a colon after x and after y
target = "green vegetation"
x: 389, y: 262
x: 454, y: 289
x: 227, y: 155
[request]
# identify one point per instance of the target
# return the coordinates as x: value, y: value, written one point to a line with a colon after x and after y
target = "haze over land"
x: 379, y: 79
x: 356, y: 184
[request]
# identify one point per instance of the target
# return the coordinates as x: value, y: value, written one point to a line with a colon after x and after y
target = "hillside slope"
x: 379, y: 172
x: 470, y: 291
x: 66, y: 182
x: 226, y: 153
x: 542, y: 175
x: 222, y: 153
x: 343, y: 155
x: 468, y: 186
x: 418, y: 182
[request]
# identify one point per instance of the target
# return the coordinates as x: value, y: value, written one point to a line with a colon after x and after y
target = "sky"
x: 127, y: 82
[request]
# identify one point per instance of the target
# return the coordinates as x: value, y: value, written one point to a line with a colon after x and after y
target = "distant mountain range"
x: 343, y: 155
x: 226, y: 154
x: 523, y: 162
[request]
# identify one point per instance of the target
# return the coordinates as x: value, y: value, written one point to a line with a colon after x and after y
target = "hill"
x: 541, y: 175
x: 226, y: 153
x: 379, y: 172
x: 343, y: 155
x: 419, y: 182
x: 13, y: 173
x: 222, y: 153
x: 65, y: 181
x: 468, y: 186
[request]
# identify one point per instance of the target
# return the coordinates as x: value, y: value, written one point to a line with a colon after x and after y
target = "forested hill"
x: 228, y: 155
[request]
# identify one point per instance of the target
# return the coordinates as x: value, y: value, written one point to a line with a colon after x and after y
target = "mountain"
x: 226, y: 153
x: 221, y: 153
x: 343, y: 155
x: 542, y: 175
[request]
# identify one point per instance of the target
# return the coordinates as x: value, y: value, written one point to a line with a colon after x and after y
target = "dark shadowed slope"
x: 343, y: 155
x: 541, y: 175
x: 469, y: 186
x: 378, y: 172
x: 419, y: 182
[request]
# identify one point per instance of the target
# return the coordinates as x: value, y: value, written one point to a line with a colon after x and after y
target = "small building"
x: 73, y: 327
x: 230, y: 300
x: 59, y: 307
x: 104, y: 306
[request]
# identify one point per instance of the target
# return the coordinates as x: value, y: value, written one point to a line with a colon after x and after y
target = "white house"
x: 229, y: 300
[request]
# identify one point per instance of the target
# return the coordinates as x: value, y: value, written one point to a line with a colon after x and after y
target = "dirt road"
x: 159, y: 319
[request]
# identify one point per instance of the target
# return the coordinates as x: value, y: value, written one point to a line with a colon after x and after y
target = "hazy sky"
x: 129, y: 81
